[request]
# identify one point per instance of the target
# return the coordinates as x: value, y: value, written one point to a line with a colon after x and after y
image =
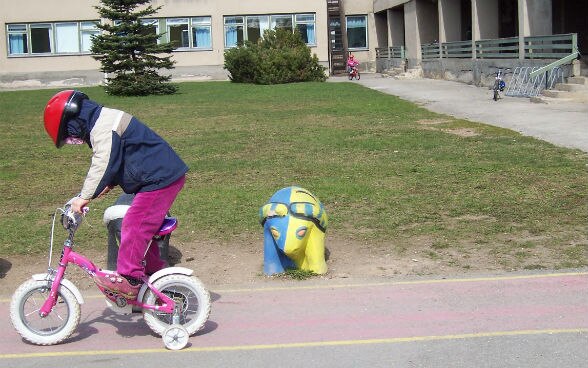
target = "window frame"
x: 58, y: 37
x: 27, y: 30
x: 152, y: 22
x: 306, y: 22
x: 204, y: 23
x: 365, y: 17
x: 25, y: 42
x: 91, y: 31
x: 49, y: 42
x: 275, y: 17
x: 258, y: 18
x: 179, y: 21
x: 240, y: 24
x: 193, y: 23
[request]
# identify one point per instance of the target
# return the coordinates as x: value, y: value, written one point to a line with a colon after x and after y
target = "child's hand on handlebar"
x: 78, y: 205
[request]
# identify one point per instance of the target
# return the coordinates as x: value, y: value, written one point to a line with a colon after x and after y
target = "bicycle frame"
x: 68, y: 256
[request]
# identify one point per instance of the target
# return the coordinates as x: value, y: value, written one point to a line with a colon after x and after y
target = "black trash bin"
x: 113, y: 217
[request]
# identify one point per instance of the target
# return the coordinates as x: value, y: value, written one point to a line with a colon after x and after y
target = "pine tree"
x: 128, y: 50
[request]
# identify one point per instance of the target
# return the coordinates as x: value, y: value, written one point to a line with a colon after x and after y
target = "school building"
x: 47, y: 42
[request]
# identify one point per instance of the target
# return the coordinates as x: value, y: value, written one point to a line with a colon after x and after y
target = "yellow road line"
x: 395, y: 340
x: 413, y: 282
x: 373, y: 284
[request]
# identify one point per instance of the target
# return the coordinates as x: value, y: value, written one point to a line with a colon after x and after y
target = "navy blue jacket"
x: 125, y: 152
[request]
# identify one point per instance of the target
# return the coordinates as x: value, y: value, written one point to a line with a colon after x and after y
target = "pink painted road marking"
x: 325, y: 313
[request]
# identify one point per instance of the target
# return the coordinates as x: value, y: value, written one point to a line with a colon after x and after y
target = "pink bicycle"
x: 46, y: 309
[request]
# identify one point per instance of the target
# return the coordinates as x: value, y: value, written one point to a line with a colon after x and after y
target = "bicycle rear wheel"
x: 190, y: 295
x: 495, y: 89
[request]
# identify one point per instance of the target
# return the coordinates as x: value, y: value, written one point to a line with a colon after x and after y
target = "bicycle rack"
x: 523, y: 85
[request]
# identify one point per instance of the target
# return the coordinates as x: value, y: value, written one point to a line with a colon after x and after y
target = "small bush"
x: 241, y: 62
x: 281, y: 56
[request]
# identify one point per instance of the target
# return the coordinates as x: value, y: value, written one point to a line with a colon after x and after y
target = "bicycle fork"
x: 55, y: 278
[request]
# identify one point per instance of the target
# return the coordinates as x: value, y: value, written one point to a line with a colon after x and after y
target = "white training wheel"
x: 175, y: 337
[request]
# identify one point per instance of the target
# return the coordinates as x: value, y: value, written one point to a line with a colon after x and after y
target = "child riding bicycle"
x: 126, y: 153
x: 352, y: 63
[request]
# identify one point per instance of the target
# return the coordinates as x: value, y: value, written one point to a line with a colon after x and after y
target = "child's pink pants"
x: 142, y: 220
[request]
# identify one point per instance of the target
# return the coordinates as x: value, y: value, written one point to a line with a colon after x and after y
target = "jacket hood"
x: 81, y: 125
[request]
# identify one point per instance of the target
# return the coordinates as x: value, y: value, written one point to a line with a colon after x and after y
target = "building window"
x: 234, y: 31
x: 177, y: 30
x: 193, y: 32
x: 67, y: 39
x: 18, y: 39
x: 281, y: 21
x: 183, y: 33
x: 239, y: 29
x: 256, y: 25
x: 152, y: 29
x: 87, y: 30
x: 41, y: 38
x: 357, y: 32
x: 201, y: 33
x: 305, y: 25
x: 50, y: 38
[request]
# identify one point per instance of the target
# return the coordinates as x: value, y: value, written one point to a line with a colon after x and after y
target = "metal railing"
x: 393, y: 52
x: 499, y: 48
x: 534, y: 47
x: 550, y: 47
x: 526, y: 83
x: 430, y: 51
x: 459, y: 49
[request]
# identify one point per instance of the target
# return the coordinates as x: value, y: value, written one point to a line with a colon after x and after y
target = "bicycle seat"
x: 169, y: 225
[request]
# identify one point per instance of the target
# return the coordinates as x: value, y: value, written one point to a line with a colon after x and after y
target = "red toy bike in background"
x: 353, y: 68
x: 354, y: 73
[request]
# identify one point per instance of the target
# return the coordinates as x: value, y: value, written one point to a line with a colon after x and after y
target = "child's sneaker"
x: 117, y: 285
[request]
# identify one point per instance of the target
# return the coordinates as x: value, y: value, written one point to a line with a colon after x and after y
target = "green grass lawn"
x: 388, y: 172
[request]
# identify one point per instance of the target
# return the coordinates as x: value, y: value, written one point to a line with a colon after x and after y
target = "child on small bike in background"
x: 352, y: 63
x: 126, y: 153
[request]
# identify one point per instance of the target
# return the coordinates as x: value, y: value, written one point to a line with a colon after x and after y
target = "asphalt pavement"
x: 561, y: 122
x: 525, y: 320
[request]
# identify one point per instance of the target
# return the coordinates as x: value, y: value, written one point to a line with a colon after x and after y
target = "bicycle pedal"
x: 120, y: 310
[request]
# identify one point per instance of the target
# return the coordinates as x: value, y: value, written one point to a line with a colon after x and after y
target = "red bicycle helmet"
x: 59, y: 110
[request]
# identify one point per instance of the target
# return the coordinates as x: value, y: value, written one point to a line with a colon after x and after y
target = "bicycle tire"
x: 188, y: 290
x: 52, y: 329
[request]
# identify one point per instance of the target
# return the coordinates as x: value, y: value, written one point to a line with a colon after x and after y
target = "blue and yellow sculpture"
x: 294, y: 224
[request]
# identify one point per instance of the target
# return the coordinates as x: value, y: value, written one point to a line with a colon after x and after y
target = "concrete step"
x: 578, y: 80
x: 560, y: 95
x: 571, y: 87
x: 554, y: 93
x: 548, y: 100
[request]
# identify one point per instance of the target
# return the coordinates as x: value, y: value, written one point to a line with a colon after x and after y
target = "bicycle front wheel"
x: 495, y: 90
x: 51, y: 329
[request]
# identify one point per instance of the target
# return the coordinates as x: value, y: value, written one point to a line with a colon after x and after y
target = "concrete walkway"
x: 562, y: 123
